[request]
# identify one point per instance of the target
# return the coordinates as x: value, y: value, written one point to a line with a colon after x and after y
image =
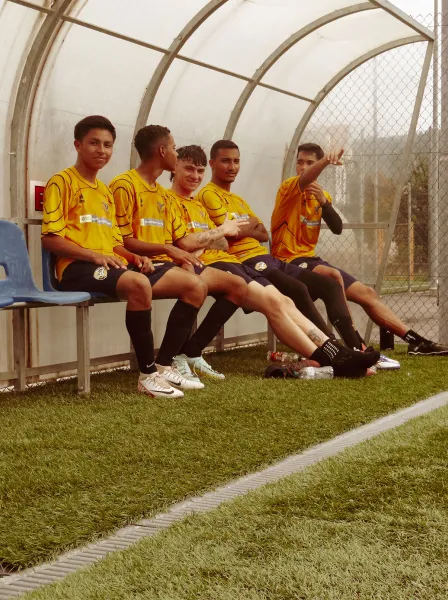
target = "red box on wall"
x: 39, y: 197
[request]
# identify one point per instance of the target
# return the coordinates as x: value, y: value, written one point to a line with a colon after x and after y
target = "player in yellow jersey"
x: 300, y: 205
x: 209, y: 241
x: 148, y: 224
x: 79, y: 226
x: 301, y: 286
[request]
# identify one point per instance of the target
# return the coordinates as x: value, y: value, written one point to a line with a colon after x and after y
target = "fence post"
x: 443, y: 185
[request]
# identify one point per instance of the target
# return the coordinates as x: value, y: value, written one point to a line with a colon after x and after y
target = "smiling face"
x: 95, y: 149
x: 305, y: 160
x: 226, y: 165
x: 188, y: 176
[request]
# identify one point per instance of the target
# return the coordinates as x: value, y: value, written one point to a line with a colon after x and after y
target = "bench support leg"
x: 83, y: 348
x: 272, y: 340
x: 19, y: 344
x: 219, y: 341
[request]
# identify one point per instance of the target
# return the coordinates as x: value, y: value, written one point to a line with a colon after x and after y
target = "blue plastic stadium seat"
x: 19, y: 283
x: 49, y: 279
x: 6, y: 301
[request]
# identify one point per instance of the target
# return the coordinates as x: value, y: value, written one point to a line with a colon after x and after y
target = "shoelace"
x: 158, y: 382
x: 183, y: 368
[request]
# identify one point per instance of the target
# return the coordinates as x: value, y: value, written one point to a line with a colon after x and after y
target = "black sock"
x: 178, y: 329
x: 413, y: 338
x: 344, y: 326
x: 298, y: 292
x: 360, y: 338
x: 220, y: 313
x: 138, y: 324
x: 325, y: 354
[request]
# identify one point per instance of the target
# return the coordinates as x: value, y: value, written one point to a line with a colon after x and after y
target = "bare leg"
x: 178, y: 283
x: 220, y: 283
x: 275, y: 307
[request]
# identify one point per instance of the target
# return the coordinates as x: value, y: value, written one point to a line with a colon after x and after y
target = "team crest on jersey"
x: 105, y: 206
x: 160, y: 207
x: 100, y: 273
x: 261, y: 266
x: 81, y: 199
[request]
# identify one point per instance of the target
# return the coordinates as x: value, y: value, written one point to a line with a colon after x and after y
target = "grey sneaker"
x: 180, y: 363
x: 201, y: 367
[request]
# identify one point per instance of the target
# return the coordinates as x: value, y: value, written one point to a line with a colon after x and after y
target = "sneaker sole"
x: 145, y: 391
x: 208, y: 376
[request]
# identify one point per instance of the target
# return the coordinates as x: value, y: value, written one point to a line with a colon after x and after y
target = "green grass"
x: 73, y: 469
x: 371, y: 523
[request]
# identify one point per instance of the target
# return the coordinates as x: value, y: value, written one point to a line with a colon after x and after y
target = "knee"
x: 278, y: 303
x: 195, y: 291
x: 336, y: 277
x: 367, y: 295
x: 239, y: 291
x: 140, y: 290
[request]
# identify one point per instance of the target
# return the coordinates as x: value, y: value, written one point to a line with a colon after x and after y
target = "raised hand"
x: 334, y: 158
x: 232, y: 227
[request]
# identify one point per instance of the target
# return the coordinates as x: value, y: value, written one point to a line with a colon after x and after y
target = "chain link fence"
x: 369, y: 114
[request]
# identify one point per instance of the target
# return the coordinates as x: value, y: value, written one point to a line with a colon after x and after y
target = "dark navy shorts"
x: 311, y: 262
x: 243, y: 271
x: 82, y: 276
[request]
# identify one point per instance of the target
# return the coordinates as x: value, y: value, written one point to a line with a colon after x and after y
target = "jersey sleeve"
x: 328, y: 197
x: 249, y: 211
x: 55, y: 209
x: 175, y: 226
x: 213, y: 205
x: 124, y: 199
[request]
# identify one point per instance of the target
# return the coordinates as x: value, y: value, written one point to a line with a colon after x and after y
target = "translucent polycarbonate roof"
x: 246, y: 69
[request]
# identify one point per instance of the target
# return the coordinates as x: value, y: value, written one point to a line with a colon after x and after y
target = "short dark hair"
x: 93, y: 122
x: 311, y: 149
x: 194, y: 154
x: 222, y: 145
x: 147, y: 139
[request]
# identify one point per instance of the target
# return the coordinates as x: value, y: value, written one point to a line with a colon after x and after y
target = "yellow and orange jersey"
x: 218, y: 203
x: 81, y: 212
x: 295, y: 222
x: 145, y: 211
x: 196, y: 220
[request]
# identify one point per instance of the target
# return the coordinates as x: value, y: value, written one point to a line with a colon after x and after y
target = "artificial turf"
x: 371, y: 523
x: 73, y: 469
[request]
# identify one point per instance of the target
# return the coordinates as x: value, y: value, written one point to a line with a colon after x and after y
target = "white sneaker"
x: 387, y: 364
x: 175, y: 379
x: 180, y: 363
x: 201, y: 367
x: 156, y: 386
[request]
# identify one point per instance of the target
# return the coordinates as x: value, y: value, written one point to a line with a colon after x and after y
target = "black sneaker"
x: 427, y: 348
x: 353, y: 363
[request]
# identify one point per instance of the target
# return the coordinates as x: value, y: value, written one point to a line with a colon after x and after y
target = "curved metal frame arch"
x: 280, y: 51
x: 165, y: 63
x: 289, y: 160
x: 20, y: 123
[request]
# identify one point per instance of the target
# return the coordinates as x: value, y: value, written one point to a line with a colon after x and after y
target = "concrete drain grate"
x: 12, y: 586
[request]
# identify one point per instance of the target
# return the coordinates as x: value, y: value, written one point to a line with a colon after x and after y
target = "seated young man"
x: 303, y: 287
x: 208, y: 241
x: 300, y: 205
x: 79, y: 226
x: 147, y: 223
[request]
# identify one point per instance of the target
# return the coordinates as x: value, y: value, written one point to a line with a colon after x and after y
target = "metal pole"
x: 362, y: 202
x: 402, y: 175
x: 433, y: 175
x: 375, y: 158
x: 443, y: 186
x: 410, y: 240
